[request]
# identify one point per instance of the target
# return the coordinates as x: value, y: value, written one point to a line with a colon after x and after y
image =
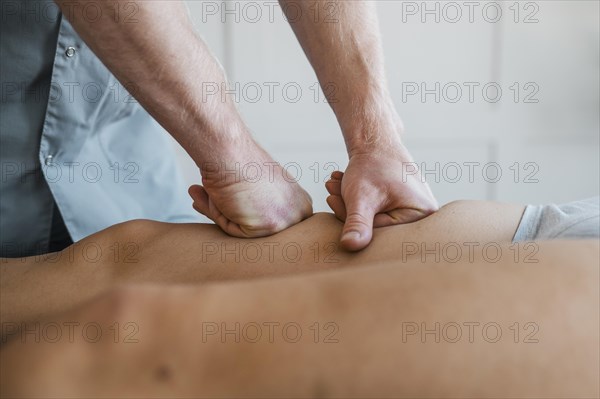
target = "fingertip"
x: 334, y: 187
x: 337, y: 206
x: 354, y: 241
x: 200, y: 198
x: 193, y: 189
x: 337, y: 175
x: 358, y: 227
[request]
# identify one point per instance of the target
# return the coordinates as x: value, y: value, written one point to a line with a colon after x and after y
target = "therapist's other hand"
x: 250, y: 197
x: 380, y: 188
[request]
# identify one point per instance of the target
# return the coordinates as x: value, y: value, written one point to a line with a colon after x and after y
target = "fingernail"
x: 351, y: 236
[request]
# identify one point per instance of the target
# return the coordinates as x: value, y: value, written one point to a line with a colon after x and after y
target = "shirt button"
x: 48, y: 160
x: 70, y: 52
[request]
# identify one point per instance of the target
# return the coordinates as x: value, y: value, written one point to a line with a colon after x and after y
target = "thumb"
x: 358, y: 228
x: 201, y: 201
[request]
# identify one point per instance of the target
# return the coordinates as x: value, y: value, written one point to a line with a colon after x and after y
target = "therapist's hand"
x: 250, y: 196
x: 380, y: 188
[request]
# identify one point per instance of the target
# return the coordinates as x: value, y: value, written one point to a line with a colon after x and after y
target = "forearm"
x: 342, y: 42
x: 157, y: 53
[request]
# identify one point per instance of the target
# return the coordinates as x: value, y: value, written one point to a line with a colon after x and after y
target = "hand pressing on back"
x: 379, y: 188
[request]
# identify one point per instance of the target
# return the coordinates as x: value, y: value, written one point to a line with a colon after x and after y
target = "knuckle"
x: 271, y: 226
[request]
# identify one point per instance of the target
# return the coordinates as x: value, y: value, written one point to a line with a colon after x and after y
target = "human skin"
x: 158, y: 54
x: 153, y: 252
x: 363, y: 345
x: 342, y: 41
x: 166, y: 62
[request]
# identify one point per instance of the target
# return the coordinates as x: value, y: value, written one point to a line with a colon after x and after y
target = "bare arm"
x: 342, y: 41
x: 159, y: 53
x: 153, y: 252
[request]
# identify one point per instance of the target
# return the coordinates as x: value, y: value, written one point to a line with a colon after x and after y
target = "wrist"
x: 237, y: 157
x: 221, y: 144
x: 372, y: 126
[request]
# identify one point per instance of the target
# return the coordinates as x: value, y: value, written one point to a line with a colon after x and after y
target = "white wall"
x: 545, y: 141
